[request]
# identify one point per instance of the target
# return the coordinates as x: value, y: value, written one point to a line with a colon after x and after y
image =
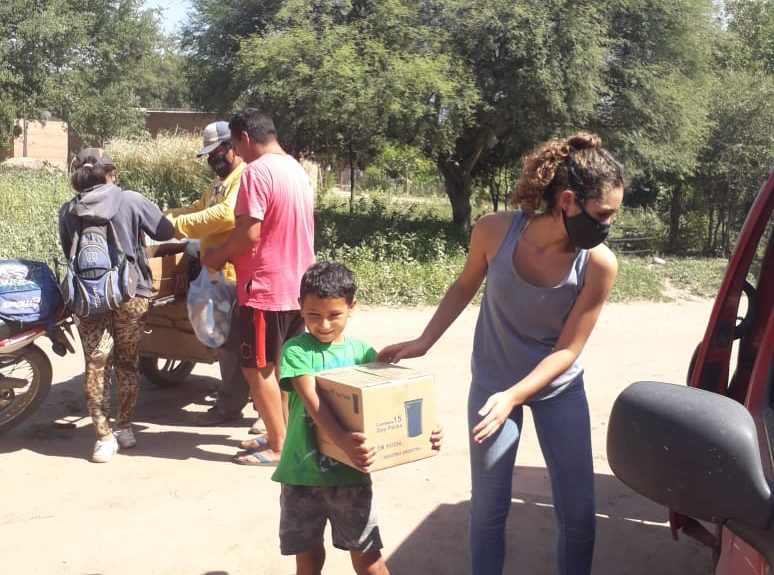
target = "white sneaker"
x: 104, y: 450
x: 126, y: 438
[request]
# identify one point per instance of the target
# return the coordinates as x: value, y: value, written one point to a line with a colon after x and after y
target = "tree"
x: 35, y: 46
x: 342, y: 78
x: 739, y: 152
x: 161, y: 83
x: 536, y: 71
x: 473, y: 84
x: 655, y: 113
x: 751, y: 22
x: 211, y: 40
x: 79, y: 59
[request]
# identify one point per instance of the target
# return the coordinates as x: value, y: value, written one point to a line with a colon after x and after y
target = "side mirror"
x: 691, y: 450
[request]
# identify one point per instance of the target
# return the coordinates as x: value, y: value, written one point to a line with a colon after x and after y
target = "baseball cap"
x: 102, y: 157
x: 213, y: 136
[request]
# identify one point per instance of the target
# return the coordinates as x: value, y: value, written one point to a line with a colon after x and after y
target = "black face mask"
x: 220, y: 165
x: 584, y: 230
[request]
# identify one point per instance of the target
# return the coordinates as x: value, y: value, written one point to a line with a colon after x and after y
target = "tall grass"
x: 165, y: 168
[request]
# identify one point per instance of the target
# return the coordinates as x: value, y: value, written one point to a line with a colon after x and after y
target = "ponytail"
x: 89, y: 172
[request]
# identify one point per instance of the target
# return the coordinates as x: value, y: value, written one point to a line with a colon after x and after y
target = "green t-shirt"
x: 301, y: 463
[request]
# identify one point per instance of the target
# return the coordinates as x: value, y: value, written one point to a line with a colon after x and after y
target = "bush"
x: 692, y: 239
x: 30, y: 213
x: 637, y: 230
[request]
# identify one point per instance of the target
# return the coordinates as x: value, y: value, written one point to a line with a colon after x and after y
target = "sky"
x: 174, y: 13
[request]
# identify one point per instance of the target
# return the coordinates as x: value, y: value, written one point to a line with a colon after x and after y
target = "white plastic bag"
x: 209, y: 308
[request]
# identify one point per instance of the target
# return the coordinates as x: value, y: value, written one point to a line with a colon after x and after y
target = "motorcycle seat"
x: 11, y: 328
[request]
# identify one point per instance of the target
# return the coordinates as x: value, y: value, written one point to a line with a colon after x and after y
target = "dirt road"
x: 176, y: 504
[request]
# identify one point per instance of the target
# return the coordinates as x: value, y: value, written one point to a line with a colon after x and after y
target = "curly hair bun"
x: 577, y: 162
x: 584, y: 140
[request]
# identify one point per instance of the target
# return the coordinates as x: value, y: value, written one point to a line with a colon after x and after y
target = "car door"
x: 735, y: 359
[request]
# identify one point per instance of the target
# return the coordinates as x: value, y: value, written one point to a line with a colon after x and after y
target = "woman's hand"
x: 495, y: 411
x: 403, y: 350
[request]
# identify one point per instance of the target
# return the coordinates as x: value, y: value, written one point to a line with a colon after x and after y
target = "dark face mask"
x: 584, y: 230
x: 220, y: 165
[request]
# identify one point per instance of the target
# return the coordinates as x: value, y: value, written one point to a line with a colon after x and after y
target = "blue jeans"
x: 564, y: 432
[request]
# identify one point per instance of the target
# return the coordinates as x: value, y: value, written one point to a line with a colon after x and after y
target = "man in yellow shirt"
x: 211, y: 220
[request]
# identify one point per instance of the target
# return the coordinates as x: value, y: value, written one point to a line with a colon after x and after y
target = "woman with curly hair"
x: 547, y: 275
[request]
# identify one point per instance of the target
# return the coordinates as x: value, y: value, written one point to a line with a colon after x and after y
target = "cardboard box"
x: 169, y: 267
x: 393, y: 405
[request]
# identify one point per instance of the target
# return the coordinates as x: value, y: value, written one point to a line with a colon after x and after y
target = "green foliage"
x: 29, y: 214
x: 405, y: 162
x: 637, y: 230
x: 165, y: 168
x: 402, y: 169
x: 752, y: 22
x: 161, y: 84
x: 641, y: 278
x: 655, y: 116
x: 638, y: 279
x: 82, y: 60
x: 211, y: 39
x: 536, y: 70
x: 700, y: 277
x: 405, y: 232
x: 341, y: 79
x: 402, y: 254
x: 738, y: 154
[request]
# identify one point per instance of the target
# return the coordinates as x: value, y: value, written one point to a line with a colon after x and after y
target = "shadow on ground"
x: 61, y: 426
x: 628, y: 538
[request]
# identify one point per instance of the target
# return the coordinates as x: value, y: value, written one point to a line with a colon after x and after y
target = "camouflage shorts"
x: 306, y: 510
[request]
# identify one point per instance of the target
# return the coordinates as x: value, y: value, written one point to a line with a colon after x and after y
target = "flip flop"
x: 254, y: 457
x: 257, y: 443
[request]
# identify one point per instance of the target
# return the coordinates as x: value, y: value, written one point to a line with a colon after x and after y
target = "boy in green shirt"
x: 316, y: 488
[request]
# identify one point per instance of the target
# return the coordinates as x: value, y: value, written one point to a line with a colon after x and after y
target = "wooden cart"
x: 169, y: 349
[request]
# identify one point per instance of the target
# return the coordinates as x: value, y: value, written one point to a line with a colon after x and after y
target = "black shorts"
x: 305, y: 511
x: 264, y: 333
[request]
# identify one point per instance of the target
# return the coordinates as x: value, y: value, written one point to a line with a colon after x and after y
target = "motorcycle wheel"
x: 165, y: 372
x: 31, y: 364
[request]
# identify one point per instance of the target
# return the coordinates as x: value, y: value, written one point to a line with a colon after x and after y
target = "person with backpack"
x: 107, y: 286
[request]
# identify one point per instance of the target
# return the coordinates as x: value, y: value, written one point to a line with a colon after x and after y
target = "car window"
x: 753, y: 312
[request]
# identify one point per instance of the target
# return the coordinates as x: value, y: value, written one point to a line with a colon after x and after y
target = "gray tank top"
x: 518, y: 323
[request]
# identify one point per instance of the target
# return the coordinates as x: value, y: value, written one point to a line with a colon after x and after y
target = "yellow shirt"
x: 211, y: 219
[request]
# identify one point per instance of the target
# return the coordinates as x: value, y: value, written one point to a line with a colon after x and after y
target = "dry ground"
x: 177, y: 505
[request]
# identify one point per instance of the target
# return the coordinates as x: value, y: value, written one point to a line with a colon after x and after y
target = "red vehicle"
x: 706, y: 450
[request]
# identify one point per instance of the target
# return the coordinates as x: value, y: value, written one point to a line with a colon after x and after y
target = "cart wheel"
x: 165, y: 372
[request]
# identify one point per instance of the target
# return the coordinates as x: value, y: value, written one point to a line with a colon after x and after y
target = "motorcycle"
x: 25, y: 369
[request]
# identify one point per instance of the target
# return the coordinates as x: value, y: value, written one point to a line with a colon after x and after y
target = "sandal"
x: 257, y: 443
x: 260, y: 458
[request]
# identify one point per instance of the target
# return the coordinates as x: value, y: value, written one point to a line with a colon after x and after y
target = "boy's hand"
x: 436, y: 437
x: 358, y: 452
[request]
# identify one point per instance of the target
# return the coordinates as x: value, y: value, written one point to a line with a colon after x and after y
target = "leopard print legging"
x: 112, y: 339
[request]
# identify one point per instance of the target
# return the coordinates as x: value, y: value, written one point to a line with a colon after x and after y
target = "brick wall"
x: 180, y: 120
